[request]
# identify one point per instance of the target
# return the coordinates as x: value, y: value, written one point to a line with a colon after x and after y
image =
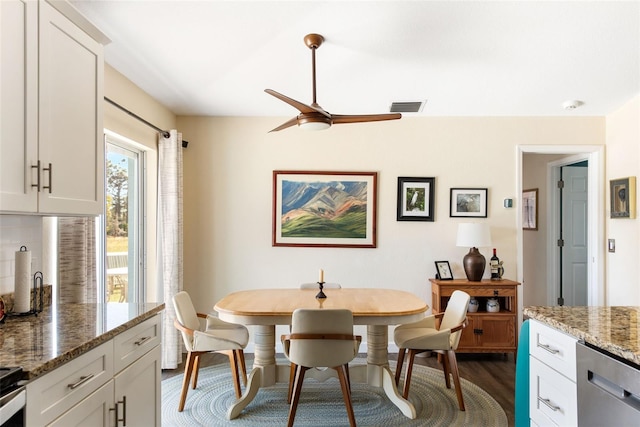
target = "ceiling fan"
x: 313, y: 117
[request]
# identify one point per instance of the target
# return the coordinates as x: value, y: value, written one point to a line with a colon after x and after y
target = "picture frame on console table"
x: 468, y: 202
x: 324, y: 209
x: 623, y: 197
x: 444, y: 270
x: 416, y: 199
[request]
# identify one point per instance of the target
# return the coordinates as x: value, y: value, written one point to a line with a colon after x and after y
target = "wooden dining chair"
x: 321, y: 338
x: 424, y: 335
x: 216, y: 336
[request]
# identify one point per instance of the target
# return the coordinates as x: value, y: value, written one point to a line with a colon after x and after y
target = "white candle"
x: 321, y: 276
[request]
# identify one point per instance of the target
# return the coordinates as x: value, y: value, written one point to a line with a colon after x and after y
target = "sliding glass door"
x: 124, y: 216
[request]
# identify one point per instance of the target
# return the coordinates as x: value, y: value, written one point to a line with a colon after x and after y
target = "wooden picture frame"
x: 324, y: 209
x: 468, y: 202
x: 623, y: 197
x: 416, y: 199
x: 443, y: 270
x: 530, y: 209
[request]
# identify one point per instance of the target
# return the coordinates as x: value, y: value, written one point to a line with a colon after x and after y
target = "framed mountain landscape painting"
x: 324, y: 209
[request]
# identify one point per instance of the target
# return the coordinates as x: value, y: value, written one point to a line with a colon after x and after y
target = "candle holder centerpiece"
x: 320, y: 295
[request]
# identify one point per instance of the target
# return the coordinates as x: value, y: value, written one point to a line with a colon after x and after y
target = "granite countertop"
x: 60, y: 333
x: 614, y: 329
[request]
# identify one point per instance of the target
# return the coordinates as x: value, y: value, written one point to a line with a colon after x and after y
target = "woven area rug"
x: 321, y: 404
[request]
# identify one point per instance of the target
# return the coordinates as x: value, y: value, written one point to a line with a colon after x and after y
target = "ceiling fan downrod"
x: 313, y: 42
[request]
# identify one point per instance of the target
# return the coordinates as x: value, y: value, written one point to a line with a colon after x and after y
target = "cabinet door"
x: 18, y: 104
x: 468, y: 338
x: 70, y: 116
x: 92, y: 411
x: 498, y: 331
x: 139, y: 386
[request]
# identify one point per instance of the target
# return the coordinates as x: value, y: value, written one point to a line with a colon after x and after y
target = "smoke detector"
x: 572, y: 104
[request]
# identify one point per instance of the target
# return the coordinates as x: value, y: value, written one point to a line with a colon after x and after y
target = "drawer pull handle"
x: 548, y: 403
x: 548, y: 348
x: 81, y: 381
x: 142, y: 340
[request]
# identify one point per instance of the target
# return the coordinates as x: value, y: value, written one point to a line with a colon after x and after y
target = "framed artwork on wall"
x: 324, y: 209
x: 623, y: 197
x: 415, y: 199
x: 530, y: 209
x: 468, y: 202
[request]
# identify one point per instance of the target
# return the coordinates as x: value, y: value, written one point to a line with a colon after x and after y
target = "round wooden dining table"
x: 375, y: 308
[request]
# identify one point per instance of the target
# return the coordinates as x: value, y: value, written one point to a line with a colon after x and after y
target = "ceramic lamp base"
x: 474, y: 264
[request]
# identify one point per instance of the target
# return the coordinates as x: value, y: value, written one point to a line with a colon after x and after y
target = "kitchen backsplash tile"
x: 17, y: 231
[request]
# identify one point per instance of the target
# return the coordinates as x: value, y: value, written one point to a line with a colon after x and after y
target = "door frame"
x: 596, y: 211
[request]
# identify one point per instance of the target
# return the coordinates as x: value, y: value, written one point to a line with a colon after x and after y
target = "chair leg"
x: 407, y: 377
x: 401, y: 352
x: 233, y: 362
x: 446, y: 367
x: 297, y: 388
x: 196, y: 369
x: 453, y: 363
x: 292, y: 379
x: 346, y: 392
x: 188, y: 369
x: 243, y: 366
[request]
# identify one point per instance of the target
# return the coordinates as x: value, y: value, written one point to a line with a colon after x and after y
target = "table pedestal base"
x: 376, y: 372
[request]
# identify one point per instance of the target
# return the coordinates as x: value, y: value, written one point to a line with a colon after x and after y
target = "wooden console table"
x: 485, y: 332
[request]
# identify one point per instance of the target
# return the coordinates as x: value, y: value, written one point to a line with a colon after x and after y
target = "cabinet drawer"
x: 552, y: 398
x: 484, y: 291
x: 555, y: 348
x: 54, y: 393
x: 132, y: 344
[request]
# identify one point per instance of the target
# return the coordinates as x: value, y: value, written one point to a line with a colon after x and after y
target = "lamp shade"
x: 473, y: 235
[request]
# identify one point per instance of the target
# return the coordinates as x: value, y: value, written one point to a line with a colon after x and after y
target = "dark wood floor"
x: 494, y: 373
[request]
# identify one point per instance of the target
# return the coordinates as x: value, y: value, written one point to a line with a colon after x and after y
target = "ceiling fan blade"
x: 286, y: 124
x: 304, y: 108
x: 359, y: 118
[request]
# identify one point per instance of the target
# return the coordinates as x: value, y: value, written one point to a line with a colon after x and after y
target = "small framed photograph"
x: 415, y: 199
x: 444, y: 270
x: 530, y: 209
x: 623, y: 197
x: 468, y: 202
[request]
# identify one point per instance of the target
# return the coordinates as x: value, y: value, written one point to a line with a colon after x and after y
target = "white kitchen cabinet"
x: 51, y: 146
x: 553, y: 398
x: 94, y: 388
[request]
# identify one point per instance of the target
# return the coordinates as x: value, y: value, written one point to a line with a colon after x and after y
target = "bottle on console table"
x: 494, y: 264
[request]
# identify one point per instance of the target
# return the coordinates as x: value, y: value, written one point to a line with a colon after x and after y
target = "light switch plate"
x: 612, y: 245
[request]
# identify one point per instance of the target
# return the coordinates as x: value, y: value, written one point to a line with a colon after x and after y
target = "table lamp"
x: 473, y: 235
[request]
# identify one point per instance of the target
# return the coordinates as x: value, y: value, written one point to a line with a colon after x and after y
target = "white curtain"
x: 169, y: 236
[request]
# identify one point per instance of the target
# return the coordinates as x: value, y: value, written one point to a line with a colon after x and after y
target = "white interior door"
x: 574, y: 252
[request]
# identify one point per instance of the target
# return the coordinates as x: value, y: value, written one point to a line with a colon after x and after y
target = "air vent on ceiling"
x: 407, y: 107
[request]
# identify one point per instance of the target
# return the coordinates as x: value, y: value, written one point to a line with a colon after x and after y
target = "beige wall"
x: 623, y: 159
x: 120, y: 90
x: 228, y: 192
x: 228, y: 189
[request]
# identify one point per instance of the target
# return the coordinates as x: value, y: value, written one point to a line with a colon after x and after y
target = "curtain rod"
x: 137, y: 117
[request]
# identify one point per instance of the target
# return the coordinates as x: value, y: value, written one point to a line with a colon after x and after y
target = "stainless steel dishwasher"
x: 608, y: 389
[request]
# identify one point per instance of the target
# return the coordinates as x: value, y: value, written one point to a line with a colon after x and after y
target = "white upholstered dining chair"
x: 424, y: 335
x: 321, y: 338
x: 216, y: 336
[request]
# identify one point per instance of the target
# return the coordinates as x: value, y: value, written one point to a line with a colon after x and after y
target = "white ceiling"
x: 471, y: 58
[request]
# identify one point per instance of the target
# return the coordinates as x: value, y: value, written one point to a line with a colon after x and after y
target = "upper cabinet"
x: 51, y: 134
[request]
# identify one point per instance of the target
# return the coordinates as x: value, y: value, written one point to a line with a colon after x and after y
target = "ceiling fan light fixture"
x: 313, y: 122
